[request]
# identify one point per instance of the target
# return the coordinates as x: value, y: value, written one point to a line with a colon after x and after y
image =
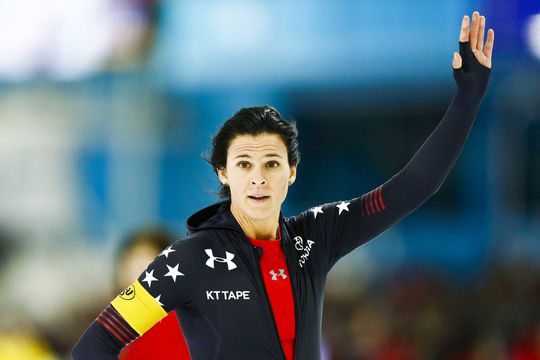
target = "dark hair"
x: 252, y: 121
x: 153, y: 236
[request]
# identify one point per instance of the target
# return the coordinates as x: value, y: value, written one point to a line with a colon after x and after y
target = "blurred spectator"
x: 136, y: 252
x: 165, y: 340
x: 527, y: 344
x: 19, y: 336
x: 416, y: 313
x: 24, y: 346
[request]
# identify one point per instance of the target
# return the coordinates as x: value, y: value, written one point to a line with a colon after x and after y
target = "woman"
x: 247, y: 282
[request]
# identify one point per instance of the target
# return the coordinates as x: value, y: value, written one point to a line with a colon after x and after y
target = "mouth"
x: 259, y: 198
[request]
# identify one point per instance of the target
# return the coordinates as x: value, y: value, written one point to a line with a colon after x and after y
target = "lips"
x: 258, y: 197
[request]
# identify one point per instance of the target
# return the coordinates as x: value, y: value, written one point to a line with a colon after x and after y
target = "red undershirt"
x: 164, y: 340
x: 278, y: 287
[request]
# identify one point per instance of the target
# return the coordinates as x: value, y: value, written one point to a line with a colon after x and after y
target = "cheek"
x: 236, y: 181
x: 283, y: 193
x: 283, y: 182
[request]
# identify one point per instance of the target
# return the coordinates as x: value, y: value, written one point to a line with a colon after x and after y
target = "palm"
x: 475, y: 34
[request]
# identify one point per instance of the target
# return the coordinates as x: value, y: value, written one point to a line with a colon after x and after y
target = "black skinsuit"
x: 212, y: 279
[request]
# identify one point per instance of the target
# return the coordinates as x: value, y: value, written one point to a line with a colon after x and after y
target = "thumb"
x: 456, y: 62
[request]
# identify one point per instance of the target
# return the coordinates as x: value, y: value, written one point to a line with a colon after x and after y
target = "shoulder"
x: 307, y: 217
x: 196, y: 243
x: 192, y: 242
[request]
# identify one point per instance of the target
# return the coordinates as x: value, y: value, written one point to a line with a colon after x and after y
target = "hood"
x: 217, y: 216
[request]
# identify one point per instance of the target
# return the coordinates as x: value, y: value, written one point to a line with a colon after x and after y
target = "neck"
x: 257, y: 229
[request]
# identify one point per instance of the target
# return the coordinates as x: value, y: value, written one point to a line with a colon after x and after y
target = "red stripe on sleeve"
x: 116, y: 328
x: 111, y: 311
x: 380, y: 198
x: 365, y: 204
x: 114, y: 323
x: 371, y: 201
x: 376, y: 202
x: 111, y: 330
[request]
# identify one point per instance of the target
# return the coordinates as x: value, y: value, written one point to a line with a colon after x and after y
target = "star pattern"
x: 316, y: 210
x: 167, y: 251
x: 149, y: 277
x: 343, y: 206
x: 173, y: 272
x: 158, y: 298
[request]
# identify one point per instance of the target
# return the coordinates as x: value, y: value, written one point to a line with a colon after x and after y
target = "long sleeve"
x: 167, y: 283
x: 98, y: 342
x: 342, y: 226
x: 428, y: 168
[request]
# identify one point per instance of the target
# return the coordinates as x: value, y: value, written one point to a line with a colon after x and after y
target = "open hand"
x: 475, y: 35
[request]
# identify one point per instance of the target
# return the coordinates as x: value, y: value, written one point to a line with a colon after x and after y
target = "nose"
x: 258, y: 178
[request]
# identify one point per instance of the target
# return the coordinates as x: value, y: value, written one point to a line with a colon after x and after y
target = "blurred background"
x: 107, y: 106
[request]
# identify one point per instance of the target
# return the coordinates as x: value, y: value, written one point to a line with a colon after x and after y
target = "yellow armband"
x: 140, y: 310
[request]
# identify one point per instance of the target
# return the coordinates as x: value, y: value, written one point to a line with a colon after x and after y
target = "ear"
x: 222, y: 175
x: 292, y: 176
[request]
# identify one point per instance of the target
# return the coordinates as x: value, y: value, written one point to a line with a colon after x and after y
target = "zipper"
x: 268, y: 302
x: 295, y: 300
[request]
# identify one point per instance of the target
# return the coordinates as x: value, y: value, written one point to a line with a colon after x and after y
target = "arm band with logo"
x: 128, y: 316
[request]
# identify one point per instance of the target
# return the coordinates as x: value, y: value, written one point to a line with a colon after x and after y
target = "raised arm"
x: 425, y: 172
x: 348, y: 224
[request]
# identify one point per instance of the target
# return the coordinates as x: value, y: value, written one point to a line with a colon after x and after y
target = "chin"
x: 259, y: 214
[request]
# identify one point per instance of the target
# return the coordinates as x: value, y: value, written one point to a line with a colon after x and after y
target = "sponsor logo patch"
x: 305, y: 250
x: 227, y: 259
x: 128, y: 293
x: 227, y: 295
x: 275, y: 274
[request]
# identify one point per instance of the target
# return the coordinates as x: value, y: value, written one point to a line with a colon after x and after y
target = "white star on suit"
x: 149, y: 277
x: 167, y: 251
x: 343, y: 206
x: 158, y: 299
x: 316, y: 210
x: 173, y: 272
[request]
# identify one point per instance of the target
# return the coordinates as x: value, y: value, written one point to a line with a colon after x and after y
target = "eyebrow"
x: 249, y: 157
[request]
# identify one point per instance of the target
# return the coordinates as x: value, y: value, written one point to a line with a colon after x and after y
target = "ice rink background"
x: 106, y: 108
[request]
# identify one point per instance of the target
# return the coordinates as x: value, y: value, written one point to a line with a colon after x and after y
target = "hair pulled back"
x: 252, y: 121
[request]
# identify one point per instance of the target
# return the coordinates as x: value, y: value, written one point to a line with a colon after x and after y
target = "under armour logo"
x: 228, y: 259
x: 281, y: 273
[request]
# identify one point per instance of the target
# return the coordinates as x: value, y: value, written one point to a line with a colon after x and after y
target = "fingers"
x: 473, y: 36
x: 464, y: 34
x: 488, y: 49
x: 473, y: 31
x: 482, y: 27
x: 456, y: 63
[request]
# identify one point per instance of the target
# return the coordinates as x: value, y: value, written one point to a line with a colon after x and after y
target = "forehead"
x: 260, y: 144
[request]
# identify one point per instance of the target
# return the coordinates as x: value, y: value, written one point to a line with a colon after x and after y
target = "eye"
x: 272, y: 164
x: 243, y: 164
